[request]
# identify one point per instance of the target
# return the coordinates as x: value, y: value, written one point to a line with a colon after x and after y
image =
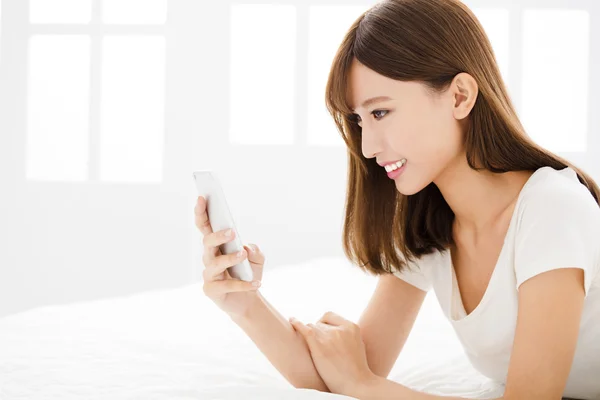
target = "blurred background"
x: 107, y: 106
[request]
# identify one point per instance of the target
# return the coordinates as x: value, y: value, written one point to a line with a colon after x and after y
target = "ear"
x: 464, y: 90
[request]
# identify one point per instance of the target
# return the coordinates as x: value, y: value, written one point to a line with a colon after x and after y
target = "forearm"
x: 381, y: 389
x: 281, y: 344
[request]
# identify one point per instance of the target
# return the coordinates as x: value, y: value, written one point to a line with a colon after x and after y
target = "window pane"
x: 58, y: 108
x: 134, y: 11
x: 262, y: 73
x: 555, y: 78
x: 132, y: 108
x: 327, y: 27
x: 60, y: 11
x: 495, y: 24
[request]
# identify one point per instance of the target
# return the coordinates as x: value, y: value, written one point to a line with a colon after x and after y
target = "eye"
x: 377, y: 115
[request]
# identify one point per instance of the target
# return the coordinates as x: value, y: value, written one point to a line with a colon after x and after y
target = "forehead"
x: 364, y: 83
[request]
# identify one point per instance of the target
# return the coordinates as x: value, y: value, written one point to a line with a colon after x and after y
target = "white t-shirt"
x: 555, y: 224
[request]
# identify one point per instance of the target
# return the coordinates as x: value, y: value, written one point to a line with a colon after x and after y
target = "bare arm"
x: 385, y: 325
x: 245, y: 305
x: 285, y: 348
x: 387, y: 321
x: 549, y: 316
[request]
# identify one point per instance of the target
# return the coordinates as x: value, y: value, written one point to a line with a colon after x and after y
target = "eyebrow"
x: 374, y: 100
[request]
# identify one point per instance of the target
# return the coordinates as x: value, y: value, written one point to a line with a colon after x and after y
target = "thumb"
x: 255, y: 256
x: 256, y: 259
x: 300, y: 327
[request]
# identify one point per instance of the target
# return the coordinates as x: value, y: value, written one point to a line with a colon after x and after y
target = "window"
x: 134, y: 11
x: 132, y: 104
x: 263, y: 67
x: 555, y: 78
x: 0, y: 30
x: 58, y: 107
x: 96, y: 90
x: 60, y: 11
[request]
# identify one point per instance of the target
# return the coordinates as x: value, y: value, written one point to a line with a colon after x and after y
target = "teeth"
x: 396, y: 165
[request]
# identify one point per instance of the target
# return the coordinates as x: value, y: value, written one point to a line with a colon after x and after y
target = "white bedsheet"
x: 175, y: 344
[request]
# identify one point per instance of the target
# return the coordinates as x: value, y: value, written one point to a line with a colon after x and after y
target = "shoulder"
x: 558, y: 226
x: 559, y: 196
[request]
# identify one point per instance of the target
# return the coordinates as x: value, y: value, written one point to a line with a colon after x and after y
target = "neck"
x: 479, y: 198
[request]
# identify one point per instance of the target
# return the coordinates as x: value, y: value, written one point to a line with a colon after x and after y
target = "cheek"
x: 443, y: 144
x: 430, y: 140
x: 423, y: 134
x: 403, y: 133
x: 447, y: 130
x: 412, y: 138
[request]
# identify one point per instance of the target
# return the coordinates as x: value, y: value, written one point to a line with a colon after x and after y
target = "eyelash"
x: 355, y: 117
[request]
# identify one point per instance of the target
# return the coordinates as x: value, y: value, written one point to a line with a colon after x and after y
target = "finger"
x: 222, y: 263
x: 332, y: 318
x: 213, y: 240
x: 323, y: 327
x: 318, y: 331
x: 216, y: 288
x: 304, y: 330
x: 218, y: 238
x: 313, y: 335
x: 322, y: 331
x: 202, y: 221
x: 255, y: 256
x: 308, y: 333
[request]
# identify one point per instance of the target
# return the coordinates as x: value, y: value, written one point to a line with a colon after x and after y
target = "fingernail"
x: 256, y: 283
x: 228, y: 232
x: 249, y: 248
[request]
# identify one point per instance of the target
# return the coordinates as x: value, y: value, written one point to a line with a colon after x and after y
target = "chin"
x: 407, y: 189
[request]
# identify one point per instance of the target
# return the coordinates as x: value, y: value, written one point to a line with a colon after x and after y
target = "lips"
x: 397, y: 172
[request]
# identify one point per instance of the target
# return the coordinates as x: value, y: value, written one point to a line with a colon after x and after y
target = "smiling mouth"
x: 396, y: 165
x: 393, y: 174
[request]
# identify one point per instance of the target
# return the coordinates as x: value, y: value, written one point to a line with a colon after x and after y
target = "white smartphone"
x: 219, y: 215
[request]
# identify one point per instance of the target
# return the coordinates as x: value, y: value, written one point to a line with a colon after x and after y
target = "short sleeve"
x: 559, y: 228
x: 417, y: 273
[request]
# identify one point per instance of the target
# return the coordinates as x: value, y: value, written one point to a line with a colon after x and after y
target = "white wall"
x: 72, y: 234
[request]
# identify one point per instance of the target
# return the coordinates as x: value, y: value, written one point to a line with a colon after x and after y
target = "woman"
x: 506, y: 233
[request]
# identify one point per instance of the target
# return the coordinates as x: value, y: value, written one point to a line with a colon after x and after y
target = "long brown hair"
x: 429, y: 41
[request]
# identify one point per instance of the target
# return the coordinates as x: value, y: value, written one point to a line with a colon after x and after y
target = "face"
x: 413, y: 124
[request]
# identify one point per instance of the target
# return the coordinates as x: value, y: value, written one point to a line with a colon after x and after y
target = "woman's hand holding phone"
x: 231, y: 295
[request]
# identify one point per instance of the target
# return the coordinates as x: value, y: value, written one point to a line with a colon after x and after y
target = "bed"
x: 176, y: 344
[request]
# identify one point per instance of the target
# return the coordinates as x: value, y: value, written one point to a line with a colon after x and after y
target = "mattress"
x: 176, y: 344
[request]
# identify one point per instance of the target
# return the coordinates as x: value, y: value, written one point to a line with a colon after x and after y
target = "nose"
x: 371, y: 144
